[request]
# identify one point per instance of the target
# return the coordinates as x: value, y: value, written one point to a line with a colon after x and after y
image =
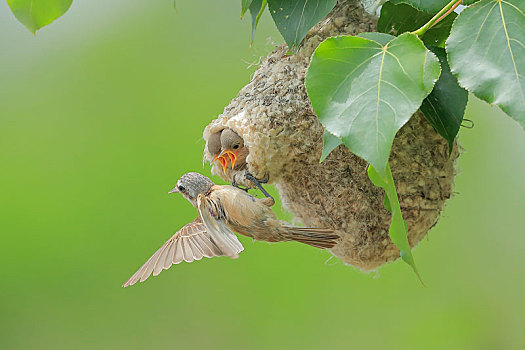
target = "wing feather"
x: 190, y: 243
x: 220, y: 233
x: 208, y: 248
x: 151, y: 263
x: 159, y: 265
x: 169, y: 258
x: 186, y: 250
x: 177, y: 258
x: 197, y: 252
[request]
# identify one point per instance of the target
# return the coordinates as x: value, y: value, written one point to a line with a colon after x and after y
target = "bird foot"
x: 265, y: 180
x: 235, y: 184
x: 257, y: 183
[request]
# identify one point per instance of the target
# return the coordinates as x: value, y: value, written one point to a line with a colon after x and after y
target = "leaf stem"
x: 444, y: 12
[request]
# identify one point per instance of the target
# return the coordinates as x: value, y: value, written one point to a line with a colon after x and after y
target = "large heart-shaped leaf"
x: 363, y: 92
x: 35, y: 14
x: 398, y: 19
x: 486, y: 51
x: 294, y: 18
x: 445, y: 106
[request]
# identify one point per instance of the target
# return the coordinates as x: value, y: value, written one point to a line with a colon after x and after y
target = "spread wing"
x: 213, y: 216
x: 190, y: 243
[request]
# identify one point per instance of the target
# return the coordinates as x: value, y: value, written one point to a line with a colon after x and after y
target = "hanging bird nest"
x: 273, y: 115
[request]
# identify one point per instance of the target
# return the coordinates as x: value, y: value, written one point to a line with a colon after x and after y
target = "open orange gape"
x: 226, y: 158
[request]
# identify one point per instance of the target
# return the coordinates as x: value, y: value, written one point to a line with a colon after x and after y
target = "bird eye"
x: 236, y: 146
x: 182, y: 189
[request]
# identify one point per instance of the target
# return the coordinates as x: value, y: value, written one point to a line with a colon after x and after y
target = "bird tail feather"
x: 315, y: 237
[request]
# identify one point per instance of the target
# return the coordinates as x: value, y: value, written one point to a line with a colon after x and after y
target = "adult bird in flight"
x: 223, y: 210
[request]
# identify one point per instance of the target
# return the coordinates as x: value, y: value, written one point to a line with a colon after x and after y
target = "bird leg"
x: 257, y: 183
x: 263, y: 181
x: 235, y: 184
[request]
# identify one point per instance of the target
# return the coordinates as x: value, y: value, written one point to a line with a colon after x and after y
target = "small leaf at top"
x: 364, y: 92
x: 398, y: 230
x: 245, y: 5
x: 398, y: 19
x: 486, y: 52
x: 294, y: 18
x: 330, y: 142
x: 256, y: 10
x: 445, y: 106
x: 37, y: 14
x: 429, y: 6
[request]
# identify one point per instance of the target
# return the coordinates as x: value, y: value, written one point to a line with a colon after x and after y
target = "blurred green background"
x: 103, y: 110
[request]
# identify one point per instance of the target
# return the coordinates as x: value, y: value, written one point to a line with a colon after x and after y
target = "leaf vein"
x: 398, y: 90
x: 515, y: 7
x: 379, y: 98
x: 350, y: 73
x: 511, y: 54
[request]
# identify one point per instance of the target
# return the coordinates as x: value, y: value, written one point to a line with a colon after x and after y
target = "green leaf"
x: 294, y: 18
x: 438, y: 34
x: 256, y: 10
x: 398, y: 227
x: 445, y: 106
x: 37, y: 14
x: 486, y: 52
x: 330, y: 142
x: 397, y: 19
x: 364, y: 92
x: 387, y: 205
x: 245, y: 5
x: 430, y: 6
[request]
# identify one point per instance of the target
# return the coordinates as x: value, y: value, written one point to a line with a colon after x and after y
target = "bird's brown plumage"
x: 194, y: 240
x: 253, y: 217
x: 223, y: 210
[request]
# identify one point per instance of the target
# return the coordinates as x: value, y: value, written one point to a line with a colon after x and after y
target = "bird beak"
x: 224, y: 161
x: 174, y: 190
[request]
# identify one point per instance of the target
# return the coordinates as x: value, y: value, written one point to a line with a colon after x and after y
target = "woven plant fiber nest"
x: 273, y: 115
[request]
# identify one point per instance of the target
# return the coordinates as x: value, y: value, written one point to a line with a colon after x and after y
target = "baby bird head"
x: 232, y: 149
x: 230, y: 141
x: 190, y: 185
x: 214, y: 144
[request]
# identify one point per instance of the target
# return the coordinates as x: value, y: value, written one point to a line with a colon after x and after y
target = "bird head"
x: 214, y: 148
x: 190, y: 185
x: 231, y: 148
